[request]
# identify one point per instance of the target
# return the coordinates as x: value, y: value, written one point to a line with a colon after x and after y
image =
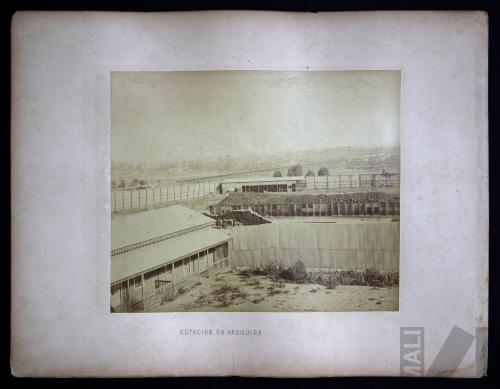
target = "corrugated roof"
x: 251, y: 198
x: 139, y: 227
x: 261, y: 179
x: 138, y: 261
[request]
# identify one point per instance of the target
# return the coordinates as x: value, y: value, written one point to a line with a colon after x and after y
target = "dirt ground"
x: 230, y: 291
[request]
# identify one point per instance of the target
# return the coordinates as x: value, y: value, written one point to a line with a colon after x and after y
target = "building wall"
x: 318, y: 209
x: 318, y: 245
x: 142, y: 286
x: 271, y: 186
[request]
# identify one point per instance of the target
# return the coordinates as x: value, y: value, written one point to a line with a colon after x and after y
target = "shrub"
x: 274, y: 270
x: 226, y: 294
x: 299, y: 271
x: 299, y: 274
x: 226, y: 288
x: 245, y: 273
x: 203, y: 299
x: 330, y: 282
x: 224, y: 299
x: 168, y: 298
x: 260, y: 271
x: 374, y: 277
x: 253, y: 282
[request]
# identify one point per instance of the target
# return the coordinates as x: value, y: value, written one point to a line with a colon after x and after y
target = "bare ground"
x: 233, y: 292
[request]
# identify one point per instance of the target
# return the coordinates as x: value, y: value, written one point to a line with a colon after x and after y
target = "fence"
x: 352, y: 181
x: 123, y: 199
x: 332, y: 166
x: 318, y: 245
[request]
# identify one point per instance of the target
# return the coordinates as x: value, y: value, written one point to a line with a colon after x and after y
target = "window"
x: 138, y: 281
x: 221, y: 252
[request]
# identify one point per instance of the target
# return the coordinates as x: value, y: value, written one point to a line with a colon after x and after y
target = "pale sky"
x: 167, y: 116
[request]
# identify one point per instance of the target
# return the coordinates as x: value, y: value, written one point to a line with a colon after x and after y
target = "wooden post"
x: 142, y: 290
x: 173, y: 273
x: 146, y: 196
x: 114, y: 200
x: 139, y: 191
x: 161, y: 199
x: 131, y: 202
x: 340, y: 181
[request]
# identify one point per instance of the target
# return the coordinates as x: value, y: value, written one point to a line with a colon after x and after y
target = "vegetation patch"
x: 226, y: 294
x: 298, y: 273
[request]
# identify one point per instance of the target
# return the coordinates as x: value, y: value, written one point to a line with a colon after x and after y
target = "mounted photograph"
x: 255, y: 191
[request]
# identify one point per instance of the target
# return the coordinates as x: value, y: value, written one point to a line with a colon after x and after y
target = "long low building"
x: 157, y: 252
x: 300, y: 204
x: 263, y: 184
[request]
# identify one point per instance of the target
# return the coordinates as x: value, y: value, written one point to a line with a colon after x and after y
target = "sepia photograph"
x: 266, y: 194
x: 255, y: 191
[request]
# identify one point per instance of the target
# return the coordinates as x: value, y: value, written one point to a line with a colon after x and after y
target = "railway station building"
x: 263, y: 184
x: 157, y: 252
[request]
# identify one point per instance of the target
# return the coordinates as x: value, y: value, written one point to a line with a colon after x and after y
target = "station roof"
x: 262, y: 180
x: 134, y: 228
x: 251, y: 198
x: 141, y: 260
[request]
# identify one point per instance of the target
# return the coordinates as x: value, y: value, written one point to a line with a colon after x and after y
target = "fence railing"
x: 352, y: 181
x: 123, y: 199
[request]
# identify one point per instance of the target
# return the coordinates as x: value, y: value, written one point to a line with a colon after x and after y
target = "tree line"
x: 296, y: 170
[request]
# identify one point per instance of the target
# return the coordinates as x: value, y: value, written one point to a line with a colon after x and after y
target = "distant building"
x: 157, y: 252
x: 263, y: 184
x: 302, y: 204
